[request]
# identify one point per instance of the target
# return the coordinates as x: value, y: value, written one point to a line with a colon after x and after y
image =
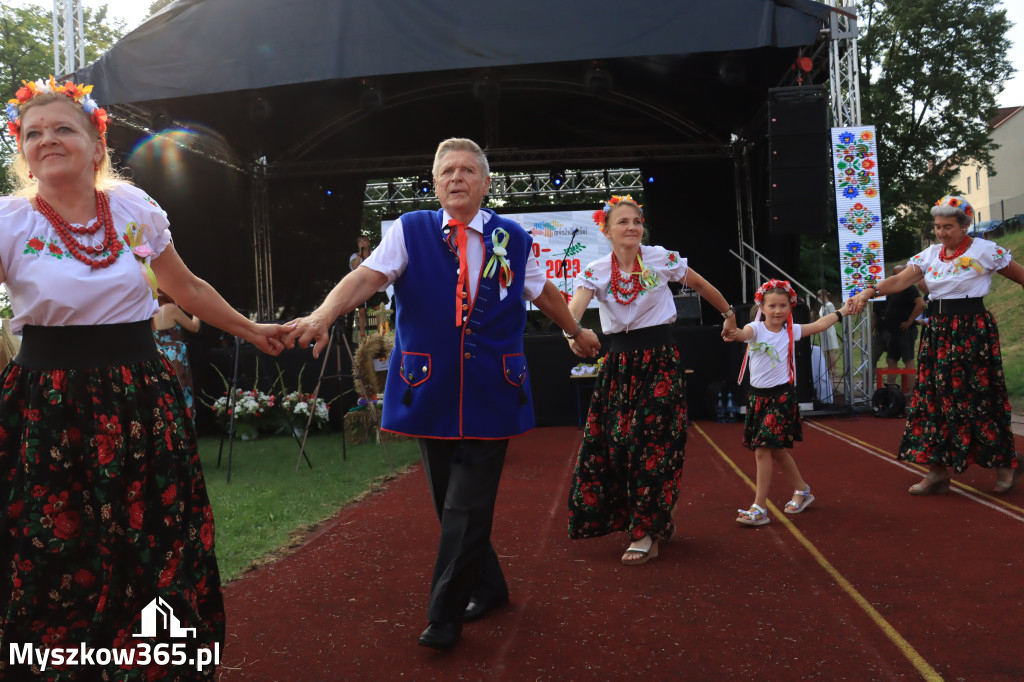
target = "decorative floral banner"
x: 858, y: 208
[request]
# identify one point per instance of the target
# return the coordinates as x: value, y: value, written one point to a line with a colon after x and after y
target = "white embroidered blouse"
x: 50, y: 287
x: 968, y: 276
x: 654, y: 304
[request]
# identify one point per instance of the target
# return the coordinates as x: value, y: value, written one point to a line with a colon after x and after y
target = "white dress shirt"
x: 391, y: 257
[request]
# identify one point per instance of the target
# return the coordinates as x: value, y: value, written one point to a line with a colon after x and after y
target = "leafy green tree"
x: 158, y: 5
x: 26, y: 52
x: 930, y: 72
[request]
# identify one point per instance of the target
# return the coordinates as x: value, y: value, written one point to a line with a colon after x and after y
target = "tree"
x: 26, y: 52
x: 930, y: 71
x: 158, y: 5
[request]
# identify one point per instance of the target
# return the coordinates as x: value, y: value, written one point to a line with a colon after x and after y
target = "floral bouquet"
x: 297, y: 406
x: 252, y: 410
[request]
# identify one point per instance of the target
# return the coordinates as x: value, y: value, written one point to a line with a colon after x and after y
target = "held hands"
x: 855, y: 304
x: 729, y: 328
x: 306, y: 331
x: 267, y: 338
x: 585, y: 344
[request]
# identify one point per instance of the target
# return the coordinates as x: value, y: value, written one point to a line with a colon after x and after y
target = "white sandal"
x: 755, y: 516
x: 805, y: 499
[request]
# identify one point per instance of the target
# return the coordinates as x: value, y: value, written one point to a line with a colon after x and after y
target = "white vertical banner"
x: 858, y: 208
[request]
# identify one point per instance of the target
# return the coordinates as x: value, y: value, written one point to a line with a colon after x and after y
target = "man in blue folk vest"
x: 458, y: 379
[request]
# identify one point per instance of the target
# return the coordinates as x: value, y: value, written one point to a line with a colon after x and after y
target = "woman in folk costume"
x: 773, y: 414
x: 631, y: 459
x: 105, y: 510
x: 959, y: 413
x: 169, y: 327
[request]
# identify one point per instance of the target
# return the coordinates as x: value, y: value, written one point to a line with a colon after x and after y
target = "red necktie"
x: 461, y: 293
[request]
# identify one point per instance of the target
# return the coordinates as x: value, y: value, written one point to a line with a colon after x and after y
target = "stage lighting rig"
x: 557, y: 178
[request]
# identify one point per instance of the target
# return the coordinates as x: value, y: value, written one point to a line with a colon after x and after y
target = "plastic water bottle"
x: 730, y: 409
x: 720, y: 409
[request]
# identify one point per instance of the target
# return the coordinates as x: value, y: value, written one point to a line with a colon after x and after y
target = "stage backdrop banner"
x: 858, y: 208
x: 569, y: 237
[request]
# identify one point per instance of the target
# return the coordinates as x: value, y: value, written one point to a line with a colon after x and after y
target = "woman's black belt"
x: 771, y: 391
x: 956, y: 306
x: 642, y: 338
x: 86, y: 346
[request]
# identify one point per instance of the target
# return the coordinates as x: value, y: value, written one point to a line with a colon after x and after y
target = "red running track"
x: 870, y: 583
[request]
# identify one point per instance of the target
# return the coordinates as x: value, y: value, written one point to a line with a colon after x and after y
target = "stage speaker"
x: 687, y: 310
x: 799, y: 161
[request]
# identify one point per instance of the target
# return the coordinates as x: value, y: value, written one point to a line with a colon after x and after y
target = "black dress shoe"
x: 441, y: 635
x: 478, y: 608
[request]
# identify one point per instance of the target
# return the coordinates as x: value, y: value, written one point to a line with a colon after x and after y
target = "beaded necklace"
x: 634, y: 287
x: 80, y: 251
x: 964, y: 245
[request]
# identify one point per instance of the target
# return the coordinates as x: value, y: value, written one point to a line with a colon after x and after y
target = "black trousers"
x: 463, y: 476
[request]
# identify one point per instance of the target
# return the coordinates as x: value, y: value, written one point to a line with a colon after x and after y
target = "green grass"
x: 1006, y: 303
x: 269, y: 506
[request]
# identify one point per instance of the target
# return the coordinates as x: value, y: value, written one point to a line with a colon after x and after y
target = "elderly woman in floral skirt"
x: 959, y: 413
x: 629, y: 465
x: 105, y: 516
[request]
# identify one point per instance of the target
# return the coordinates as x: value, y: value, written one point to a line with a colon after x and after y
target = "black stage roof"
x: 336, y: 80
x: 342, y: 91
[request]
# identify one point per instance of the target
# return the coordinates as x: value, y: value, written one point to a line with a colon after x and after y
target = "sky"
x: 134, y: 11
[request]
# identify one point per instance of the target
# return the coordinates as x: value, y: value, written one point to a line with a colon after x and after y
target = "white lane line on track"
x: 958, y: 488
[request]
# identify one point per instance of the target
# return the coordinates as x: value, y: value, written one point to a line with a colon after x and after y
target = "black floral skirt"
x: 105, y: 511
x: 773, y: 419
x: 631, y: 459
x: 959, y: 413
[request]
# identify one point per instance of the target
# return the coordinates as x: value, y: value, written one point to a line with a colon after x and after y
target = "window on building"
x: 968, y: 185
x: 977, y: 179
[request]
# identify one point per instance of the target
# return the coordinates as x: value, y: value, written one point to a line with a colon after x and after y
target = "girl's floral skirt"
x: 959, y: 413
x: 631, y: 459
x: 773, y: 418
x: 105, y: 511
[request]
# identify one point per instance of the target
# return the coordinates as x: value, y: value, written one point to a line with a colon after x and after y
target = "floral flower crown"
x: 79, y: 94
x: 775, y: 284
x: 958, y: 203
x: 601, y: 214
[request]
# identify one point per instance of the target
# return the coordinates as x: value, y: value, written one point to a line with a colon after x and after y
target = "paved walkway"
x: 869, y: 584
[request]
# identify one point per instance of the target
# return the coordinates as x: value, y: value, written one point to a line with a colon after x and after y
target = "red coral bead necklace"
x: 80, y: 251
x: 964, y: 245
x: 628, y: 293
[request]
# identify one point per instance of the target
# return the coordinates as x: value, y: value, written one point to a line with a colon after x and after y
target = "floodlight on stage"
x: 508, y: 185
x: 423, y: 186
x: 533, y: 183
x: 607, y: 181
x: 650, y: 179
x: 557, y: 178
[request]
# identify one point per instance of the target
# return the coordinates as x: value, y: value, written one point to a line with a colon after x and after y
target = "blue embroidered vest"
x: 469, y: 381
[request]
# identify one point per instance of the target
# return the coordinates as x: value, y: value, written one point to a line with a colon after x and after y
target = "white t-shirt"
x: 50, y: 287
x: 768, y: 350
x: 968, y: 276
x: 390, y: 258
x: 652, y: 306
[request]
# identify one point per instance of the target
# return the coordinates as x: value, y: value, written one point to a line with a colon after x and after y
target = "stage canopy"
x: 331, y: 93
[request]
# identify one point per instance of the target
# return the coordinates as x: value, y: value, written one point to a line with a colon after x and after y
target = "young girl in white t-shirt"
x: 773, y: 414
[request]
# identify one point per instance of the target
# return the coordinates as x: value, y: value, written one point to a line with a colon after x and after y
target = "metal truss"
x: 68, y: 40
x: 573, y: 183
x: 844, y: 71
x: 261, y: 242
x: 512, y: 159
